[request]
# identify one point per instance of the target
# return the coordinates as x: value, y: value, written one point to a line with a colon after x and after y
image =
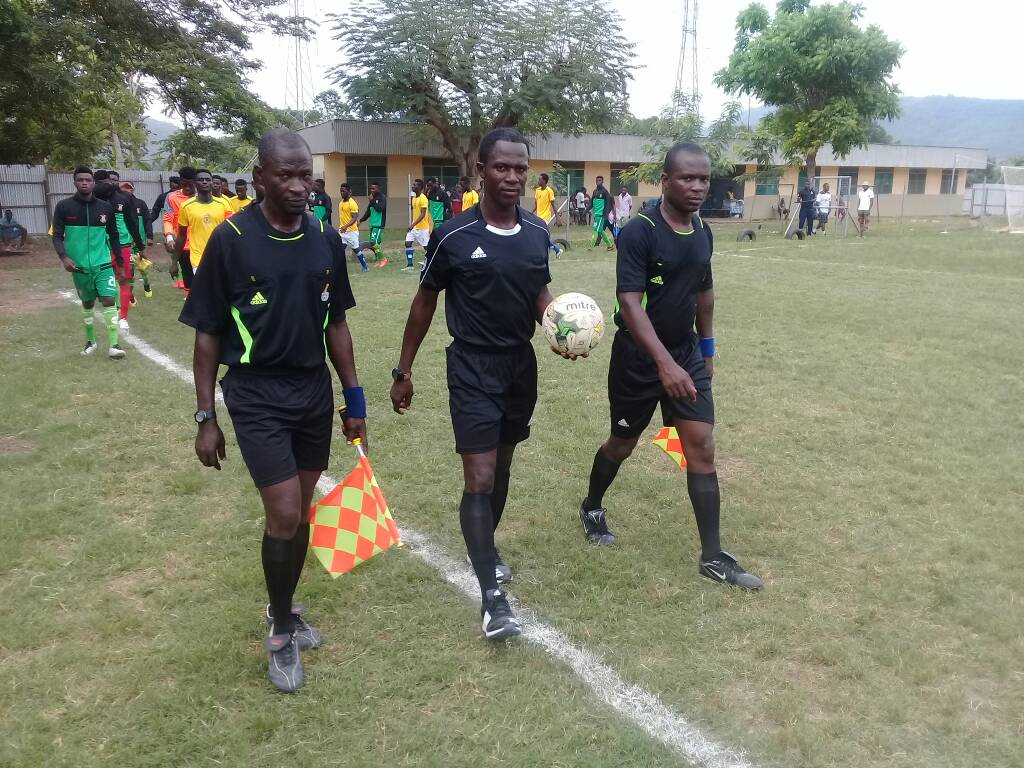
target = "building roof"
x: 363, y: 137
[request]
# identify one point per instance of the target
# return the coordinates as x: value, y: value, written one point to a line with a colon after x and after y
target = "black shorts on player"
x: 283, y: 422
x: 491, y: 394
x: 635, y: 390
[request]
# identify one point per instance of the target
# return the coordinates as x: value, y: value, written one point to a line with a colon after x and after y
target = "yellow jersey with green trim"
x: 469, y: 198
x: 421, y: 204
x: 201, y: 219
x: 545, y: 202
x: 348, y: 210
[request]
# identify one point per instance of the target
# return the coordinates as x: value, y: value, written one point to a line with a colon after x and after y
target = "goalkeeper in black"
x: 664, y: 288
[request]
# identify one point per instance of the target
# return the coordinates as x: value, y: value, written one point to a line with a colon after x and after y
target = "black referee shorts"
x: 283, y: 422
x: 634, y: 389
x: 491, y: 394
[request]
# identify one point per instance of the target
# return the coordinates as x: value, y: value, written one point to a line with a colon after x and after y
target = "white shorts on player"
x: 351, y: 239
x: 418, y: 237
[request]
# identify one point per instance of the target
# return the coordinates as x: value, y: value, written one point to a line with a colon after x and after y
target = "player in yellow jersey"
x: 348, y: 225
x: 197, y: 219
x: 241, y: 200
x: 544, y: 208
x: 419, y: 232
x: 470, y: 196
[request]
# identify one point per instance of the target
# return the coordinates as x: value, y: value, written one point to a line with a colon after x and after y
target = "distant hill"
x: 993, y: 124
x: 158, y: 130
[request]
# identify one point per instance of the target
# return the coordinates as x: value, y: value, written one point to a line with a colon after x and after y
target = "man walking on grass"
x: 376, y: 213
x: 197, y: 219
x: 865, y: 199
x: 269, y: 302
x: 603, y: 207
x: 419, y: 232
x: 664, y: 287
x: 84, y: 231
x: 492, y: 261
x: 129, y: 235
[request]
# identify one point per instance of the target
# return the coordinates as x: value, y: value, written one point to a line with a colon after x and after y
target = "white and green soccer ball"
x: 573, y: 323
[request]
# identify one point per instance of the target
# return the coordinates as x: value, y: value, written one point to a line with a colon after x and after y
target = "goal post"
x: 1013, y: 189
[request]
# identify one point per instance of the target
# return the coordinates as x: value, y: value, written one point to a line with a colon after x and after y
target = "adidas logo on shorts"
x: 622, y: 423
x: 258, y: 299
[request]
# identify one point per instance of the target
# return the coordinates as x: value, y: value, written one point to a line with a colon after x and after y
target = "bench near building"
x: 908, y: 180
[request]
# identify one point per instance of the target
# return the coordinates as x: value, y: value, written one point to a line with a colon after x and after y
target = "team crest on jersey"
x: 120, y: 207
x: 103, y: 218
x: 207, y: 220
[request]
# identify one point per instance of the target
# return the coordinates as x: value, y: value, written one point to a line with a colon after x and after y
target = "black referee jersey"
x: 269, y: 294
x: 491, y: 277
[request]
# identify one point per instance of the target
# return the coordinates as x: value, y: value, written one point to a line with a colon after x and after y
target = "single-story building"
x: 908, y: 180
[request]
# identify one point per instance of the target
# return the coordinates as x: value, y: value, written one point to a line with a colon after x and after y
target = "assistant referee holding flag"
x: 664, y: 287
x: 492, y: 261
x: 268, y: 301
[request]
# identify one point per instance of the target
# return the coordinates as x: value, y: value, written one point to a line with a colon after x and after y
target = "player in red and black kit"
x: 664, y: 288
x: 269, y: 302
x: 492, y: 263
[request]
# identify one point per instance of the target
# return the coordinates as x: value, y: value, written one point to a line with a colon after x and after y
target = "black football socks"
x: 706, y: 500
x: 601, y: 476
x: 477, y: 522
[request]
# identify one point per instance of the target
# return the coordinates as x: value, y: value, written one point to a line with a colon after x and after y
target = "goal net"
x: 1013, y: 188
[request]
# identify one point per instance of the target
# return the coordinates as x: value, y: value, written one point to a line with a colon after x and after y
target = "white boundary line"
x: 636, y: 704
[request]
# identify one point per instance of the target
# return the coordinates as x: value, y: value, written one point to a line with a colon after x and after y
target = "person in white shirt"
x: 623, y: 208
x: 824, y: 205
x: 865, y: 198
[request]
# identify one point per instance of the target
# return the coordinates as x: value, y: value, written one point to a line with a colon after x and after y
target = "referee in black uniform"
x: 268, y: 302
x: 664, y: 287
x: 493, y: 262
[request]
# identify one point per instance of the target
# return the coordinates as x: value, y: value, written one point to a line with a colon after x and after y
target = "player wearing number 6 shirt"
x: 269, y: 302
x: 664, y: 287
x: 492, y: 263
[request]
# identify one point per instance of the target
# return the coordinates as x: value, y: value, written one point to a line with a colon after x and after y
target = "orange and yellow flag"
x: 352, y: 523
x: 668, y: 440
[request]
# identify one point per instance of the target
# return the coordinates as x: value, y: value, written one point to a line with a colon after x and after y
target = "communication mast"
x: 298, y: 79
x: 687, y: 91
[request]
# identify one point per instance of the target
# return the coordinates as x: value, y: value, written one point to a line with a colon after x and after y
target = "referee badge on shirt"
x: 326, y: 295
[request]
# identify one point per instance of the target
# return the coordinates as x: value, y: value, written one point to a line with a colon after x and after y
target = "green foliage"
x: 329, y: 105
x: 681, y: 123
x: 461, y: 68
x: 84, y: 72
x: 227, y: 153
x: 828, y: 78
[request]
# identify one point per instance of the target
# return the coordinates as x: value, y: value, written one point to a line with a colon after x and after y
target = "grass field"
x: 870, y: 439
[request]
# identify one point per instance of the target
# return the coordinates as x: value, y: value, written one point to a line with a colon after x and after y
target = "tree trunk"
x: 812, y: 165
x: 115, y: 146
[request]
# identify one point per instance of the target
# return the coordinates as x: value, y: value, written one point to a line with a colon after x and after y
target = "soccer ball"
x: 573, y: 323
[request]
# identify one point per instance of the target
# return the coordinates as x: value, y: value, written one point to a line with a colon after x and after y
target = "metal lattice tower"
x: 686, y: 75
x: 298, y: 80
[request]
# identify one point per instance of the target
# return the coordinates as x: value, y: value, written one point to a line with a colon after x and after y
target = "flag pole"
x: 378, y: 495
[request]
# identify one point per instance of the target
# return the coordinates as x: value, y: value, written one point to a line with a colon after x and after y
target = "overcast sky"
x: 952, y: 47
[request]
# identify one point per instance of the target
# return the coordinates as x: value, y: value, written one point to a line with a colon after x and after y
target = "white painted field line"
x: 636, y: 704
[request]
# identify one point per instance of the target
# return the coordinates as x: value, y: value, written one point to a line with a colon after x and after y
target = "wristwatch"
x: 399, y: 375
x: 204, y: 416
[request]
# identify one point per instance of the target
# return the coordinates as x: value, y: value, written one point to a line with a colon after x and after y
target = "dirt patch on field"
x: 23, y: 287
x: 11, y: 444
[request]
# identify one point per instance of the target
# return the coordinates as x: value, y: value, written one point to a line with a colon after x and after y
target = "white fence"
x: 32, y: 191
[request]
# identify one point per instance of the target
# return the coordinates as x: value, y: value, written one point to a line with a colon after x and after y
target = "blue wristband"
x: 707, y: 347
x: 355, y: 403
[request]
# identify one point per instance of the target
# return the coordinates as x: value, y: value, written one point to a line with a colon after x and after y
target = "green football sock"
x: 90, y: 330
x: 110, y: 318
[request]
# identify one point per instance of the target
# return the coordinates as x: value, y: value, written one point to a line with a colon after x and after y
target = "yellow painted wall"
x: 900, y: 179
x: 865, y: 174
x: 933, y: 182
x: 333, y: 173
x: 400, y: 167
x: 591, y: 170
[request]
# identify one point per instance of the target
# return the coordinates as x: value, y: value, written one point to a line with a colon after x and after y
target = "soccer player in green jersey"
x: 84, y: 234
x: 377, y: 211
x: 602, y: 206
x: 320, y: 202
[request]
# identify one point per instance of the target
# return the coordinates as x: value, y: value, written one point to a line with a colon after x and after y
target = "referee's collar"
x: 497, y: 230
